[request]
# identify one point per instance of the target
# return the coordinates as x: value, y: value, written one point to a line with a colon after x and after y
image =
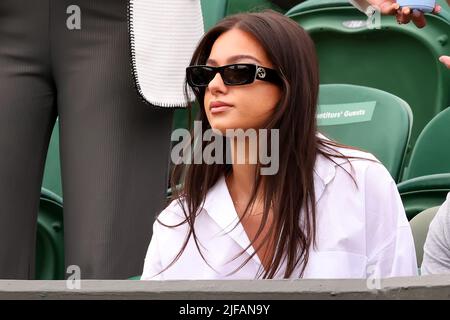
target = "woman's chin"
x: 222, y: 126
x: 221, y: 129
x: 231, y: 124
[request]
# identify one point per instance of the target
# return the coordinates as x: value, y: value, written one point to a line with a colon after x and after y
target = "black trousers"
x: 114, y: 148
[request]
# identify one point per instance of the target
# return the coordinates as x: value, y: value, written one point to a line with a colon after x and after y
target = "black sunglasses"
x: 232, y: 74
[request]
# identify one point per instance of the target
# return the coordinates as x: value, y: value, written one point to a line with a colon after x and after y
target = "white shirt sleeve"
x: 152, y: 264
x: 436, y: 254
x: 389, y: 240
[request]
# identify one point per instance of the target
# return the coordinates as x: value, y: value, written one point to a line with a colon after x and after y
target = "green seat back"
x: 400, y: 59
x: 50, y: 238
x: 431, y: 153
x: 366, y: 118
x: 421, y: 193
x: 50, y: 233
x: 419, y: 226
x: 213, y: 11
x: 236, y: 6
x: 52, y: 172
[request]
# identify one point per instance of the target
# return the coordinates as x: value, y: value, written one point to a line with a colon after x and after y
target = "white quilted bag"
x: 163, y: 37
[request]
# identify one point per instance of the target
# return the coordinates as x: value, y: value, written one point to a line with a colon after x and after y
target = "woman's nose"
x: 217, y: 84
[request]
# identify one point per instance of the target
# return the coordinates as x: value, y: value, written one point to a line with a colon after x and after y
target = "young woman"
x: 328, y: 212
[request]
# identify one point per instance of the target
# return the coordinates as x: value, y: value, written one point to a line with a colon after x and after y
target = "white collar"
x: 219, y: 204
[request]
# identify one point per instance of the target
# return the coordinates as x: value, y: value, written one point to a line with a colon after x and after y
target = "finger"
x: 403, y: 18
x: 445, y: 60
x: 407, y: 13
x: 406, y: 10
x: 400, y: 17
x: 389, y: 8
x: 394, y: 7
x: 437, y: 9
x: 419, y: 19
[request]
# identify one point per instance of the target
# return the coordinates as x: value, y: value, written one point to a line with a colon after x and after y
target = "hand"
x: 403, y: 15
x: 445, y: 59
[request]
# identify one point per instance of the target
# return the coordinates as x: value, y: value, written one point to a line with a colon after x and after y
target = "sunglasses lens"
x: 200, y: 76
x: 238, y: 74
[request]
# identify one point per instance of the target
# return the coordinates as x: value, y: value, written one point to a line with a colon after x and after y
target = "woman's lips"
x: 219, y: 106
x: 219, y: 109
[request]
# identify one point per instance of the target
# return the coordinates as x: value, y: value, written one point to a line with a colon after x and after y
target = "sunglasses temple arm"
x: 271, y: 76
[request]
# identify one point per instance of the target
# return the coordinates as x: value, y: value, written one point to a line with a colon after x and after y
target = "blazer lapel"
x: 219, y: 206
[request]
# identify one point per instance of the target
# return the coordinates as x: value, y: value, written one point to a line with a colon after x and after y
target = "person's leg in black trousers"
x: 114, y: 147
x: 27, y: 115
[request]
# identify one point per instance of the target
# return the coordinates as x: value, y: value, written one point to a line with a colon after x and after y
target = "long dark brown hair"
x: 290, y: 192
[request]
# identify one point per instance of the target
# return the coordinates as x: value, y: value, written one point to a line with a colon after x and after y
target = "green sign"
x: 335, y: 114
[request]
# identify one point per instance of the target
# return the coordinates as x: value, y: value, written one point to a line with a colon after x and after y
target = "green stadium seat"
x: 419, y: 226
x: 426, y: 180
x: 50, y: 238
x: 400, y: 59
x: 431, y: 153
x: 52, y: 172
x: 236, y: 6
x: 213, y: 11
x: 229, y: 7
x: 421, y: 193
x: 366, y: 118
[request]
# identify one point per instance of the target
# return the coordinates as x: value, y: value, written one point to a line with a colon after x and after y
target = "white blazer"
x: 361, y: 232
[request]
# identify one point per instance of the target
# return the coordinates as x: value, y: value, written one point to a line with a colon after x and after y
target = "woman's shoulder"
x: 173, y: 213
x: 361, y: 165
x: 442, y: 218
x: 177, y: 210
x: 343, y: 153
x: 364, y: 177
